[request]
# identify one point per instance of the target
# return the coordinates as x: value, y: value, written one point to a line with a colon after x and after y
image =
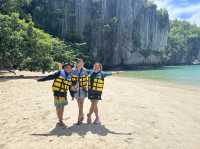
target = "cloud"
x: 195, y: 19
x: 188, y: 10
x: 162, y: 3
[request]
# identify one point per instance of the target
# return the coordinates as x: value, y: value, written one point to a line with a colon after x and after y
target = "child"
x: 95, y: 88
x: 79, y: 87
x: 61, y: 84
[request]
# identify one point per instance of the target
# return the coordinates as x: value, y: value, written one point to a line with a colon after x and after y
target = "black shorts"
x: 59, y: 94
x: 94, y: 95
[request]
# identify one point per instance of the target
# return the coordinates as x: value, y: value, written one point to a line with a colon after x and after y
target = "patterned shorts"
x: 60, y: 102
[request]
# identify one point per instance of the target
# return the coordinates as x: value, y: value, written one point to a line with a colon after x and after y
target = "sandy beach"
x: 135, y: 114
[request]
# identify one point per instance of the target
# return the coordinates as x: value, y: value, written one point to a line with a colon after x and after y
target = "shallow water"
x: 179, y: 74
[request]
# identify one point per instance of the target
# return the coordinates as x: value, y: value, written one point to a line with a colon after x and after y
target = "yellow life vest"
x: 82, y: 80
x: 96, y: 84
x: 60, y: 84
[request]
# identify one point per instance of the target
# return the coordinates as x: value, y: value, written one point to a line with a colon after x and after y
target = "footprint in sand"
x: 67, y: 118
x: 102, y: 140
x: 45, y: 115
x: 3, y: 123
x: 129, y: 140
x: 2, y: 146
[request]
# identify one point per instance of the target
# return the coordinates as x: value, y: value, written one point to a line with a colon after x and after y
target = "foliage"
x: 178, y: 50
x: 22, y: 46
x: 163, y: 17
x: 11, y: 6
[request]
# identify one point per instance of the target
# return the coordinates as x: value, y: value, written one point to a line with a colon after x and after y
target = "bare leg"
x: 80, y: 102
x: 90, y: 112
x: 91, y: 108
x: 60, y: 112
x: 96, y: 112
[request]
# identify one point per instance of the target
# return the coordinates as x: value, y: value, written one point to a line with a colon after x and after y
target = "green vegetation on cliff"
x: 183, y: 43
x: 23, y: 46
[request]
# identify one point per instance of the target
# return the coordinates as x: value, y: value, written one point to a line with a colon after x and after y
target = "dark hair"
x: 79, y: 60
x: 80, y: 57
x: 66, y: 64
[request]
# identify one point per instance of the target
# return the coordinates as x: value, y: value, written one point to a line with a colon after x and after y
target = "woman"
x: 79, y: 87
x: 95, y: 88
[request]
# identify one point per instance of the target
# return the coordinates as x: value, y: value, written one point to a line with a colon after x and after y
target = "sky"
x: 188, y: 10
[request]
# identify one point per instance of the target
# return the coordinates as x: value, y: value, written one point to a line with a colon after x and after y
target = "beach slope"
x: 135, y: 114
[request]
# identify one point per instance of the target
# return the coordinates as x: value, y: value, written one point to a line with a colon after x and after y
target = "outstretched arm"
x: 106, y: 74
x: 89, y: 71
x: 50, y: 77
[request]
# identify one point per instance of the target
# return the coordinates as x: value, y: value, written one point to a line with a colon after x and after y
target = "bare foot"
x: 80, y: 120
x: 97, y: 121
x: 61, y: 124
x: 89, y: 120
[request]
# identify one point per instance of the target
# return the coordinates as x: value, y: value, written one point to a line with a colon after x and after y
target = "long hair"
x: 100, y: 65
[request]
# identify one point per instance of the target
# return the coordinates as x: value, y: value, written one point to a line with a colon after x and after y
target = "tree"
x: 22, y: 46
x: 10, y: 42
x: 179, y: 49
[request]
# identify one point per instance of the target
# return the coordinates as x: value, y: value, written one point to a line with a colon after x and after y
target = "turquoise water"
x: 179, y: 74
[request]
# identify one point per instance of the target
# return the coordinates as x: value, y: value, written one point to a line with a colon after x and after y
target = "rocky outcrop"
x: 193, y: 45
x: 119, y: 32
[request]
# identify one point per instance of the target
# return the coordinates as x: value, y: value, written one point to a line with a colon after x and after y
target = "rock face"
x: 194, y: 45
x: 119, y: 32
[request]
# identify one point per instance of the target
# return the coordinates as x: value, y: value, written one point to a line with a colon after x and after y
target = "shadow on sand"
x: 7, y: 78
x: 81, y: 130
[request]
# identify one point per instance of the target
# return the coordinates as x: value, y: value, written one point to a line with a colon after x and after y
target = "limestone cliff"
x: 119, y: 32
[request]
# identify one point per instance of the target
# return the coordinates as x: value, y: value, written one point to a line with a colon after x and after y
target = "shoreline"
x: 144, y: 67
x: 122, y: 67
x: 35, y: 75
x: 163, y: 82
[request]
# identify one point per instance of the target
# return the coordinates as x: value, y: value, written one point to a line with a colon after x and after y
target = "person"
x: 61, y: 84
x: 95, y: 88
x: 79, y: 87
